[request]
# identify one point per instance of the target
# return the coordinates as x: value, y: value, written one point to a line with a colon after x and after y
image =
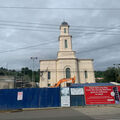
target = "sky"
x: 27, y: 32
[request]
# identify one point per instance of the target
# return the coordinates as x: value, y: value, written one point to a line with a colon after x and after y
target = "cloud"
x: 90, y: 42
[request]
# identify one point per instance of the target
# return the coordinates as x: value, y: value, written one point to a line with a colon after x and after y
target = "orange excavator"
x: 63, y: 80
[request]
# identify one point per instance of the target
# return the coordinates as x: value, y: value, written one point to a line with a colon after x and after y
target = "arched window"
x: 64, y: 30
x: 86, y: 74
x: 68, y: 73
x: 49, y: 75
x: 66, y: 44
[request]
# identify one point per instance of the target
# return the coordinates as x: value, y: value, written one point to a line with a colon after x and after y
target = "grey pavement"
x: 53, y: 114
x: 101, y: 113
x: 78, y: 113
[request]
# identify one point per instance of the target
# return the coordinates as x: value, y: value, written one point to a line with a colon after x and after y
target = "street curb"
x: 31, y: 109
x: 50, y: 108
x: 10, y: 111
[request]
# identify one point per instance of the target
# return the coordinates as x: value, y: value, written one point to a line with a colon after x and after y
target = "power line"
x: 98, y: 48
x: 77, y: 52
x: 96, y: 33
x: 22, y: 48
x: 55, y: 25
x: 48, y: 30
x: 84, y: 26
x: 25, y: 29
x: 64, y: 8
x: 52, y: 26
x: 3, y: 24
x: 36, y: 23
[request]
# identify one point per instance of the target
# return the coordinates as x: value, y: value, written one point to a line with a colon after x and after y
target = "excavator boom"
x: 64, y: 80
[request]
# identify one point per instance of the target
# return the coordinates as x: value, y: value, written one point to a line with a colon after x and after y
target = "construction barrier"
x: 77, y: 95
x: 29, y: 98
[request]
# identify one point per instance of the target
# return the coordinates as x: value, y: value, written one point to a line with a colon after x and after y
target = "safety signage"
x: 65, y: 101
x: 99, y: 95
x: 65, y: 97
x: 20, y: 96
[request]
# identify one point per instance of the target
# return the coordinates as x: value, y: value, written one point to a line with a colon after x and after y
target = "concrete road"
x: 95, y: 113
x: 54, y: 114
x: 101, y: 113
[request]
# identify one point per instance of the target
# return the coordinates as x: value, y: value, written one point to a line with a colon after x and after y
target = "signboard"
x: 20, y: 96
x: 118, y: 88
x: 65, y: 97
x: 77, y: 91
x: 119, y: 92
x: 99, y: 95
x: 65, y: 92
x: 65, y: 101
x: 115, y: 89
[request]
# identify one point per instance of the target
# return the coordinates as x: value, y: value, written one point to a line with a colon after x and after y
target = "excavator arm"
x: 64, y: 80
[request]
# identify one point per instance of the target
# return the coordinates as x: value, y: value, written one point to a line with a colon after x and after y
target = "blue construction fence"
x: 78, y: 97
x: 11, y: 99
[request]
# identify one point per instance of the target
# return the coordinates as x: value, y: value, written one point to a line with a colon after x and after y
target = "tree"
x: 99, y: 74
x: 112, y: 75
x: 37, y: 75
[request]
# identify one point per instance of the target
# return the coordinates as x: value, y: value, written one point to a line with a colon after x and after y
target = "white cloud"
x: 13, y: 39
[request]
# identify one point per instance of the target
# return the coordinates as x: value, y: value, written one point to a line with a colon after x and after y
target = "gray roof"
x: 64, y: 24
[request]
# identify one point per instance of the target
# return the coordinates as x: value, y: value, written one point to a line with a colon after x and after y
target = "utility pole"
x: 33, y: 60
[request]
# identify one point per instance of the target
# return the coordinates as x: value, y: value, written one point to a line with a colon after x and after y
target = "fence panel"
x: 77, y: 97
x: 49, y: 97
x: 29, y: 98
x: 8, y: 99
x: 77, y: 100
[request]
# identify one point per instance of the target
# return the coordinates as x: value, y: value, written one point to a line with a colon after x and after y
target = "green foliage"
x: 112, y: 75
x: 25, y: 74
x: 99, y: 74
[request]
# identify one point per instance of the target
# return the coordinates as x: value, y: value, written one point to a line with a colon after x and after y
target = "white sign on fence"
x: 65, y: 92
x: 77, y: 91
x: 65, y: 97
x: 20, y: 96
x: 65, y: 101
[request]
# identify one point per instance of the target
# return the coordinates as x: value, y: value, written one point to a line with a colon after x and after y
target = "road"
x: 92, y: 113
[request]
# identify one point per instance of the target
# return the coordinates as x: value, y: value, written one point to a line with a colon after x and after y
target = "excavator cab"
x: 68, y: 84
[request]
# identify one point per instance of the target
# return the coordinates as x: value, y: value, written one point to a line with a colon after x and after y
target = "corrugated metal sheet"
x: 77, y: 100
x: 92, y: 84
x: 8, y: 99
x: 32, y: 98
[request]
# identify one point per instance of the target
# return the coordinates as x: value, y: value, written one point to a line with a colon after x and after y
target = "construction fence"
x: 11, y: 99
x: 76, y: 95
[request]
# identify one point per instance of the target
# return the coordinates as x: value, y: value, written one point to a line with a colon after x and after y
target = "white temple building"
x: 66, y: 65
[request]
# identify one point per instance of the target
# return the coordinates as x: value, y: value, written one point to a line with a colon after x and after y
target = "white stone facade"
x: 66, y: 64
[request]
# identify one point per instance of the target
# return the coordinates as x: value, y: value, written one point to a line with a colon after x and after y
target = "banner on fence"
x: 77, y: 91
x: 119, y: 91
x: 115, y: 89
x: 99, y: 95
